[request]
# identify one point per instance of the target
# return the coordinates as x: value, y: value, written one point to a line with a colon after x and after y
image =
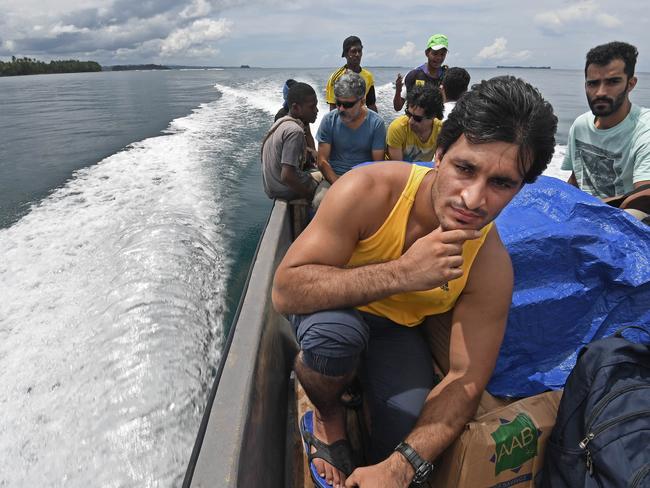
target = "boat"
x: 250, y: 422
x: 249, y: 432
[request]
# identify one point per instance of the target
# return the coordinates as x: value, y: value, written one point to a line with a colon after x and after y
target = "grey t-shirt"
x: 607, y: 162
x: 285, y: 146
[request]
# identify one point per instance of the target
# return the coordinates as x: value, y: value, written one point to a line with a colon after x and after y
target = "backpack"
x: 601, y: 436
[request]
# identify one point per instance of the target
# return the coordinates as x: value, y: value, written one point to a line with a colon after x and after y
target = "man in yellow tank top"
x: 391, y: 244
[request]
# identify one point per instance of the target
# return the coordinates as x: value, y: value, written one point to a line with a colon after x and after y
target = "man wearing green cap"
x: 430, y: 73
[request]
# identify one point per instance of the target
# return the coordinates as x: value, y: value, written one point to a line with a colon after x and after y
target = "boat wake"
x: 112, y: 313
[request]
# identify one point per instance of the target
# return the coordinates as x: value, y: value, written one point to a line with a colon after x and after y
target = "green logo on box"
x: 516, y: 443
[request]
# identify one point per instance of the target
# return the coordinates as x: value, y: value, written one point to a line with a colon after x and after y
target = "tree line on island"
x: 29, y: 66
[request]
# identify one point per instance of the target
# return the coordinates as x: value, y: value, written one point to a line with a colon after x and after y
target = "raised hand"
x: 435, y: 259
x: 398, y: 83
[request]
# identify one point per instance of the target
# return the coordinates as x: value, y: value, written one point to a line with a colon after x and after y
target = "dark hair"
x: 349, y: 42
x: 505, y: 109
x: 455, y: 82
x: 606, y: 53
x: 426, y: 97
x: 299, y: 93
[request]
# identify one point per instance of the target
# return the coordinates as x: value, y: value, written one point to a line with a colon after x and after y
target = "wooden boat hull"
x: 243, y: 438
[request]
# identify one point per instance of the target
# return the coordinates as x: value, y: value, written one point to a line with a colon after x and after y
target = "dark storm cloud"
x: 121, y: 12
x: 87, y: 39
x: 121, y: 25
x: 74, y: 42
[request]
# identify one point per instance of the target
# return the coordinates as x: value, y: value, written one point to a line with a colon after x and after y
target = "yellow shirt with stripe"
x: 329, y: 88
x: 411, y: 308
x: 400, y: 135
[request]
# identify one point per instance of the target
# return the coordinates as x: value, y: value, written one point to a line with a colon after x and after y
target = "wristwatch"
x: 422, y: 468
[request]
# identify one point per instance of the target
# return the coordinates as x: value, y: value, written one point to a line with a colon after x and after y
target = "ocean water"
x: 130, y: 207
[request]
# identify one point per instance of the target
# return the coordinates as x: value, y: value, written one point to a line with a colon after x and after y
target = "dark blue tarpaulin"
x: 582, y: 270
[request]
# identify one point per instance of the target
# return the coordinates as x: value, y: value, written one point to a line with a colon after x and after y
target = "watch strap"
x: 421, y: 467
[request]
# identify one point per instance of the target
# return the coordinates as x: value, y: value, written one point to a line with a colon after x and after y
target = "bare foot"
x: 329, y: 430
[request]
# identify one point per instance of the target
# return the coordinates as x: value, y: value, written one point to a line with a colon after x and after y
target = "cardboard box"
x: 504, y: 445
x: 502, y: 448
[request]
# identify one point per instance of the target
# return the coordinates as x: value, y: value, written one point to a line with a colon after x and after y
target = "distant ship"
x: 244, y: 66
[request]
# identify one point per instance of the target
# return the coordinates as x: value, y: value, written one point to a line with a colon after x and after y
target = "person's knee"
x: 332, y: 341
x: 329, y: 366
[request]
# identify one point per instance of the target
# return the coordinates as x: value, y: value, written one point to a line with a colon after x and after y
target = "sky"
x: 307, y: 33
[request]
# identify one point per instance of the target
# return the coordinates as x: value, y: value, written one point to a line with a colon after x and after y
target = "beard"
x: 608, y: 106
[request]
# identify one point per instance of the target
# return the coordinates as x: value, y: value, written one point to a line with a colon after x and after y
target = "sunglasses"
x: 417, y: 118
x: 340, y: 103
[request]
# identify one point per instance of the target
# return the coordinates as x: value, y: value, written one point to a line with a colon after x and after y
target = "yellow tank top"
x: 386, y: 244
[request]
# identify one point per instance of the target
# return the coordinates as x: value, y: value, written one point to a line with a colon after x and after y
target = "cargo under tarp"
x: 582, y: 270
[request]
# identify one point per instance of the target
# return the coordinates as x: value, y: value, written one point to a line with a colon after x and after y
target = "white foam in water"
x: 267, y: 96
x: 555, y: 166
x: 258, y: 98
x: 112, y: 294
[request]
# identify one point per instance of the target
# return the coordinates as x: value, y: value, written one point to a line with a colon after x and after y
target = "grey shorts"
x: 394, y: 364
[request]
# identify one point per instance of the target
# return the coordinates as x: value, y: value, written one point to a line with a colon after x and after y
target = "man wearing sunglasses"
x: 413, y: 137
x: 351, y: 134
x: 352, y: 52
x: 392, y: 244
x: 430, y: 73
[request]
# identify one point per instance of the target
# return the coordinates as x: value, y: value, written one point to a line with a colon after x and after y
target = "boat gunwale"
x: 268, y: 244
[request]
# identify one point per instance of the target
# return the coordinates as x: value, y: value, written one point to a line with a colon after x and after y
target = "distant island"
x: 28, y: 66
x: 244, y: 66
x: 524, y: 67
x: 131, y: 67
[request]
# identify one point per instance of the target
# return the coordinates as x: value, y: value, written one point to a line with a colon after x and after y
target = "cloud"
x: 407, y: 50
x: 196, y: 37
x: 499, y: 50
x: 7, y: 47
x: 198, y: 8
x: 370, y: 55
x: 309, y: 33
x: 65, y: 29
x: 566, y: 19
x: 121, y: 29
x: 496, y: 50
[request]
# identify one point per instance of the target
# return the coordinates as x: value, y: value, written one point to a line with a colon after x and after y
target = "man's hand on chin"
x: 394, y: 472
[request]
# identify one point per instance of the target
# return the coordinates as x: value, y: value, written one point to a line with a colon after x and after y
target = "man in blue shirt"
x: 351, y: 134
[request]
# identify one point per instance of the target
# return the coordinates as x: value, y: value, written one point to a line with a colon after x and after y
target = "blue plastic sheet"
x: 582, y: 270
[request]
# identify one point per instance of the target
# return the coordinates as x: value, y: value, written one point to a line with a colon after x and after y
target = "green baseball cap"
x: 438, y: 41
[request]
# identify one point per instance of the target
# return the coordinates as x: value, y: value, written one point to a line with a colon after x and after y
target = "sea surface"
x: 130, y: 208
